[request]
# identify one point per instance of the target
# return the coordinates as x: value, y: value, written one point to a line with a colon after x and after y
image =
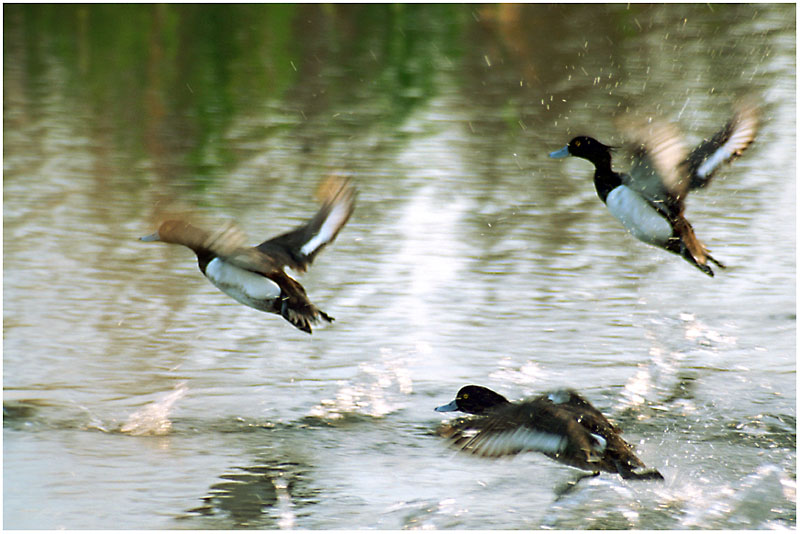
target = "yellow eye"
x: 577, y: 143
x: 465, y: 396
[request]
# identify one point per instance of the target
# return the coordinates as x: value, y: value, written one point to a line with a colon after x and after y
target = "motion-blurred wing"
x: 725, y: 145
x: 299, y: 247
x: 489, y: 437
x: 658, y: 172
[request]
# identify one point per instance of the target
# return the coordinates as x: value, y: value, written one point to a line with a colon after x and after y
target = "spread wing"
x: 225, y: 240
x: 590, y: 417
x: 658, y: 171
x: 228, y: 242
x: 529, y: 426
x: 725, y: 145
x: 299, y: 247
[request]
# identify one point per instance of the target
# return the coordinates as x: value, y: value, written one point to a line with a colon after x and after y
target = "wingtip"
x: 337, y: 188
x: 339, y: 203
x: 747, y: 106
x: 747, y: 120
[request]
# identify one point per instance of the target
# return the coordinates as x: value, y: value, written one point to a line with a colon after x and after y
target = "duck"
x: 649, y: 200
x: 256, y: 276
x: 561, y: 424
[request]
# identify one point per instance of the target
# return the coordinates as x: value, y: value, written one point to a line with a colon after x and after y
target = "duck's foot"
x: 627, y: 473
x: 705, y: 268
x: 650, y: 474
x: 569, y: 486
x: 298, y: 320
x: 716, y: 262
x: 325, y: 316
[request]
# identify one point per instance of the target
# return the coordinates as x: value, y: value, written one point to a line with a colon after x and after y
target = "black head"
x: 474, y: 400
x: 584, y: 147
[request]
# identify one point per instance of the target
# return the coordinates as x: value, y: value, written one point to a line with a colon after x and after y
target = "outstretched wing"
x: 299, y: 247
x: 509, y: 430
x: 228, y: 242
x: 590, y: 417
x: 725, y: 145
x: 225, y: 240
x: 658, y: 170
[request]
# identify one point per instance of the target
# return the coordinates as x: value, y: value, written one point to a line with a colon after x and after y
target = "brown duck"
x: 255, y: 276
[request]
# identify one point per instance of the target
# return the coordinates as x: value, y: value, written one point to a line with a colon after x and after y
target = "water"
x: 136, y: 395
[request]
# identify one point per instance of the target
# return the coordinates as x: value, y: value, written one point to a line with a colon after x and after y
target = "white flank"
x: 328, y: 229
x: 244, y: 286
x: 521, y: 439
x: 638, y: 216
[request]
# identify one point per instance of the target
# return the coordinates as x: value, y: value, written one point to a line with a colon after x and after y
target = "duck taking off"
x: 649, y: 200
x: 255, y: 276
x: 560, y: 424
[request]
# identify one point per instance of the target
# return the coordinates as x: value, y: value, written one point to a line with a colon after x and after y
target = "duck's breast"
x: 643, y: 221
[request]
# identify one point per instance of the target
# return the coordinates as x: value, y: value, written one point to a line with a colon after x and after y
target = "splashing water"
x: 152, y: 419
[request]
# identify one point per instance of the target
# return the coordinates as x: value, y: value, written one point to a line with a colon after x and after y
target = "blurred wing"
x: 251, y: 259
x: 586, y: 414
x: 725, y: 145
x: 225, y: 240
x: 299, y: 247
x: 509, y: 430
x: 489, y: 438
x: 658, y: 171
x: 228, y: 242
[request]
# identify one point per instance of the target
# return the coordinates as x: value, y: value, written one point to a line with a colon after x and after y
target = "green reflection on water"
x: 188, y: 91
x: 167, y: 81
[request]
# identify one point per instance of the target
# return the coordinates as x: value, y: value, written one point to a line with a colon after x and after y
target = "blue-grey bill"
x: 450, y: 407
x: 563, y: 153
x: 151, y: 237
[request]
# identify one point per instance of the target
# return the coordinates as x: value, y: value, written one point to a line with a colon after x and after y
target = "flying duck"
x: 649, y: 200
x: 560, y: 424
x: 255, y: 276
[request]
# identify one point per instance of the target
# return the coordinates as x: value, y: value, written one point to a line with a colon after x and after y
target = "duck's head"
x: 584, y: 147
x: 226, y: 240
x: 171, y: 231
x: 474, y: 400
